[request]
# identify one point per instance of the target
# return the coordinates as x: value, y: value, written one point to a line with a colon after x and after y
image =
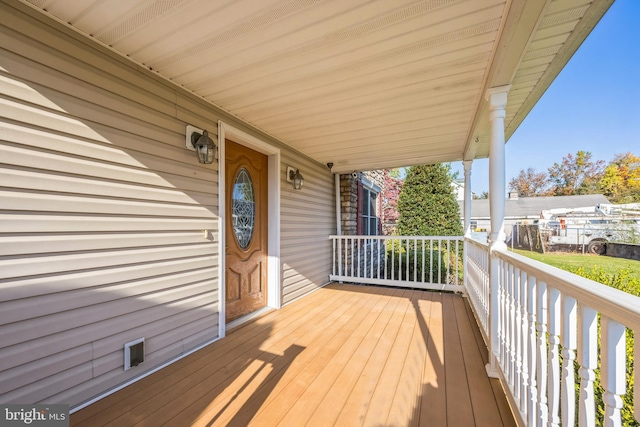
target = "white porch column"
x: 338, y: 204
x: 497, y: 98
x: 467, y: 197
x: 467, y: 220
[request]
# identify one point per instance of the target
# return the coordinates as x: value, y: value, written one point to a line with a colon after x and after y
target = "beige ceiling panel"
x: 360, y: 83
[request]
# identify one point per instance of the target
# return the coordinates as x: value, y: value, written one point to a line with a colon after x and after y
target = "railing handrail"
x: 618, y: 305
x: 383, y: 237
x: 477, y: 243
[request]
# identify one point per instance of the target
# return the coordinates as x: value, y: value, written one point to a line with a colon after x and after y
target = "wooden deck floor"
x: 346, y: 355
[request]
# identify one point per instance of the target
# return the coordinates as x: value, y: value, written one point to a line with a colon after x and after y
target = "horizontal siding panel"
x: 196, y: 340
x: 206, y: 328
x: 308, y: 218
x: 34, y: 202
x: 105, y: 333
x: 293, y: 294
x: 42, y: 368
x: 200, y: 180
x: 312, y: 272
x: 50, y: 264
x: 40, y: 391
x: 207, y: 324
x: 26, y: 308
x: 160, y: 168
x: 72, y: 57
x: 50, y: 182
x: 35, y: 328
x: 317, y: 273
x: 32, y: 244
x: 206, y: 306
x: 110, y: 146
x: 30, y: 222
x: 114, y: 377
x: 43, y: 285
x: 67, y: 95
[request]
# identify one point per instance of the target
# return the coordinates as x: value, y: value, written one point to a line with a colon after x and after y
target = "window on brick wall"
x: 368, y: 221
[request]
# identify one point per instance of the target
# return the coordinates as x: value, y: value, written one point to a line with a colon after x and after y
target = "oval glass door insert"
x: 243, y: 208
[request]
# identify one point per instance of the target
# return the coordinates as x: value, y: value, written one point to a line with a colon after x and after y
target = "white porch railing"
x: 550, y: 324
x: 416, y: 262
x: 548, y: 319
x: 477, y: 282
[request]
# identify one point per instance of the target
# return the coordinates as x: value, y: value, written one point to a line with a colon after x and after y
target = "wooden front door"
x: 246, y: 230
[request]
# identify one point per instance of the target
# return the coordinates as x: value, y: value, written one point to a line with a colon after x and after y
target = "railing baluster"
x: 448, y: 261
x: 588, y: 361
x: 340, y: 257
x: 541, y: 379
x: 512, y: 335
x: 415, y: 259
x: 333, y: 264
x: 531, y: 351
x: 400, y: 262
x: 386, y: 259
x: 393, y: 259
x: 422, y: 242
x: 508, y: 318
x: 408, y: 260
x: 554, y: 357
x: 517, y: 326
x: 636, y: 375
x: 613, y: 370
x: 431, y: 260
x: 569, y: 345
x: 440, y: 261
x: 457, y: 260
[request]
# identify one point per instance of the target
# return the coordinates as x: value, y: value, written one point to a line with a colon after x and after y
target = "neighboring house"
x: 527, y: 209
x: 116, y: 241
x: 458, y: 188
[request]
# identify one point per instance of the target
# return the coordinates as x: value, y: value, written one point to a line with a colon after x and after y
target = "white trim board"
x: 274, y: 290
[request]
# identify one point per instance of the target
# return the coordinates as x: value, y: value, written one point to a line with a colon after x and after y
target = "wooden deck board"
x: 346, y: 355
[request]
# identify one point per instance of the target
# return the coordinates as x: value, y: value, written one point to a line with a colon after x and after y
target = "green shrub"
x: 442, y: 260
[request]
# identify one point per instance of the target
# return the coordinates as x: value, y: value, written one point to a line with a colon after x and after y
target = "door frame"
x: 274, y: 299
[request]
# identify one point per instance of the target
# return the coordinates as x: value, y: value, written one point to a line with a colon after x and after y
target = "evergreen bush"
x: 427, y: 203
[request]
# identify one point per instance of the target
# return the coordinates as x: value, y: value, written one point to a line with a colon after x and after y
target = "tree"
x: 576, y: 175
x: 427, y: 204
x: 398, y: 173
x: 530, y: 183
x: 621, y: 179
x: 481, y: 196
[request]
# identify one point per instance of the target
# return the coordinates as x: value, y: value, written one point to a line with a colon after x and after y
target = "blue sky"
x: 593, y: 105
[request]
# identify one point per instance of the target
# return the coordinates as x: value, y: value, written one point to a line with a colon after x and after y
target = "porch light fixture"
x: 199, y: 141
x: 295, y: 178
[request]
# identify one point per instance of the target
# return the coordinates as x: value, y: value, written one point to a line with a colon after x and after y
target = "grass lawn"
x: 568, y: 261
x: 594, y: 267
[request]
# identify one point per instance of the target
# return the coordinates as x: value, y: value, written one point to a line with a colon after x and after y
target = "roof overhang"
x: 363, y: 85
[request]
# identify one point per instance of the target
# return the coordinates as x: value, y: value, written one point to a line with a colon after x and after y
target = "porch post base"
x: 491, y: 373
x: 492, y: 367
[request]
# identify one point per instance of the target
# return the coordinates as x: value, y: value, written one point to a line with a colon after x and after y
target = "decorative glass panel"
x: 243, y: 208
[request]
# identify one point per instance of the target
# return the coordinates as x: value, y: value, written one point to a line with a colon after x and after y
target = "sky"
x: 593, y: 104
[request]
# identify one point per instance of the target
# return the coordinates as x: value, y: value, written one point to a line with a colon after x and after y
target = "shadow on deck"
x: 345, y: 355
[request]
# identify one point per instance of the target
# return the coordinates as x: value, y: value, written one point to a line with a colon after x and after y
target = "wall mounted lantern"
x: 199, y: 141
x: 295, y: 178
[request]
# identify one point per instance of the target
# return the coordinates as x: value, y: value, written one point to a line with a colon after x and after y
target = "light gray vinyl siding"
x: 308, y: 218
x: 102, y: 218
x: 103, y: 214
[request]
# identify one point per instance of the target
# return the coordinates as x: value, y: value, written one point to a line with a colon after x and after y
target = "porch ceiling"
x: 363, y: 84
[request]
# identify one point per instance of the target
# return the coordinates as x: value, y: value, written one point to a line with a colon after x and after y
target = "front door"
x: 246, y: 230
